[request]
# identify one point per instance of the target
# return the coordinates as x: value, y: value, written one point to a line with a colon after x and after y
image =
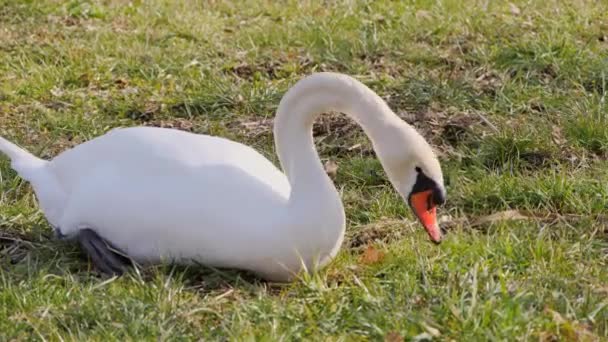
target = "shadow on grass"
x: 26, y: 255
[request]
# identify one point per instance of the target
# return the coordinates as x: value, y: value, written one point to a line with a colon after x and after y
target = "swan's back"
x: 145, y: 150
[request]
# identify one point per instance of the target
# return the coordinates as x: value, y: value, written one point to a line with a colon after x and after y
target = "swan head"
x: 415, y: 172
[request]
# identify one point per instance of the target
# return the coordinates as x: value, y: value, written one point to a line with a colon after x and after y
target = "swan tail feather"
x: 50, y: 194
x: 22, y: 161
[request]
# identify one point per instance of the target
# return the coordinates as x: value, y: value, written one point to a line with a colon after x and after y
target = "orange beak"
x: 426, y: 211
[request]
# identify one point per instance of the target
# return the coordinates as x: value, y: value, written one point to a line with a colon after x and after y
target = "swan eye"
x: 418, y: 169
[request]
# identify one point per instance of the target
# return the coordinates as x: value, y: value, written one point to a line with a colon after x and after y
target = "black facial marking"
x: 424, y: 183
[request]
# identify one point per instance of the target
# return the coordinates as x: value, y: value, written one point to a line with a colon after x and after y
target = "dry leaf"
x: 192, y: 63
x: 432, y: 331
x: 514, y: 9
x: 547, y: 336
x: 422, y: 14
x: 331, y: 168
x: 256, y: 127
x: 500, y: 216
x: 371, y: 256
x: 557, y: 317
x: 121, y: 83
x: 379, y: 18
x: 423, y: 337
x: 393, y: 336
x: 129, y: 90
x: 56, y: 92
x: 354, y: 147
x: 572, y: 330
x: 557, y: 136
x: 602, y: 289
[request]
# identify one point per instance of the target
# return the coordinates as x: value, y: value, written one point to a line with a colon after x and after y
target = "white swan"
x: 161, y: 194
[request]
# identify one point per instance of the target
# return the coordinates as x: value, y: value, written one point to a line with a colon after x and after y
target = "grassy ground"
x: 512, y: 95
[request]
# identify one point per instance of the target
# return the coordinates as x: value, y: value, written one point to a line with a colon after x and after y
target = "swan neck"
x: 301, y: 105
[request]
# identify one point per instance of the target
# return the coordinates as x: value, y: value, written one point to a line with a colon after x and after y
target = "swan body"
x: 166, y: 195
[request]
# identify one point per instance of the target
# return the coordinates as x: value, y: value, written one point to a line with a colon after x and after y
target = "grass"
x: 512, y: 95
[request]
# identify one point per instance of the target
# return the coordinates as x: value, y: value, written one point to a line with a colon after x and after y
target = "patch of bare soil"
x: 338, y: 135
x: 447, y: 128
x: 333, y: 124
x: 382, y: 231
x: 252, y: 128
x: 273, y: 67
x: 460, y: 127
x: 280, y: 65
x: 145, y: 114
x: 246, y: 70
x: 379, y: 63
x: 176, y: 123
x: 488, y: 82
x: 334, y: 133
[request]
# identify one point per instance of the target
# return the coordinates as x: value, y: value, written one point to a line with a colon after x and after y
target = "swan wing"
x: 159, y: 193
